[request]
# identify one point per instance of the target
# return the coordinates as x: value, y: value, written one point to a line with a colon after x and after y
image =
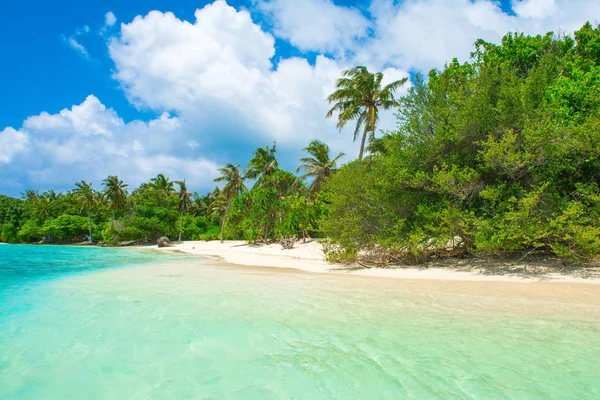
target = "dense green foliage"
x: 279, y: 205
x: 497, y: 155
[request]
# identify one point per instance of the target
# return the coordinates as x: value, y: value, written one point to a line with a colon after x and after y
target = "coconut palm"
x: 116, y: 193
x: 319, y: 166
x: 360, y: 96
x: 217, y: 206
x: 43, y: 204
x: 199, y: 204
x: 89, y: 201
x: 41, y: 207
x: 184, y: 202
x: 234, y: 185
x: 30, y: 195
x: 163, y: 186
x: 51, y: 195
x: 263, y: 163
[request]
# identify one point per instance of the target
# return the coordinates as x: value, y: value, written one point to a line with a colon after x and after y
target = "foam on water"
x: 198, y: 329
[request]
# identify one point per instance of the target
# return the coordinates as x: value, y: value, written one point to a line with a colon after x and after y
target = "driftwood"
x: 163, y: 242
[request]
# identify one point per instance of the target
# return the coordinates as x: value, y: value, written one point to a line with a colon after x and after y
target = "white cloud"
x: 109, y: 19
x: 317, y: 25
x: 78, y: 47
x: 218, y: 73
x: 89, y: 141
x: 87, y: 119
x: 75, y: 44
x: 12, y: 142
x: 417, y: 34
x: 425, y: 34
x: 535, y: 8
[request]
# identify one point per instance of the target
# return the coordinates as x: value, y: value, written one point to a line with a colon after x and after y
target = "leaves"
x: 359, y: 96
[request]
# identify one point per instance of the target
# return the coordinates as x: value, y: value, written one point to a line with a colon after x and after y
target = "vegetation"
x: 493, y: 156
x: 500, y: 154
x: 359, y: 96
x: 278, y: 205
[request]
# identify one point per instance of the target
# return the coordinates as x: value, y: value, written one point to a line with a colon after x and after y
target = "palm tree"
x: 163, y: 185
x: 43, y: 204
x: 319, y: 165
x: 217, y: 206
x: 184, y: 202
x: 31, y: 195
x: 116, y: 193
x: 234, y: 186
x: 264, y: 163
x: 359, y: 96
x: 89, y: 200
x: 51, y: 195
x: 42, y: 207
x: 199, y: 205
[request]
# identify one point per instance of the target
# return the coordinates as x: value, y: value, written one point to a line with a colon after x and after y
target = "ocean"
x: 98, y: 323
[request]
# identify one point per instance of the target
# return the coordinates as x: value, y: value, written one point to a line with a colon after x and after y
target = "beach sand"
x: 309, y: 257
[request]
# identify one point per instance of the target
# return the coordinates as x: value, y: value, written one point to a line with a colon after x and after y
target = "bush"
x: 495, y: 156
x: 66, y: 228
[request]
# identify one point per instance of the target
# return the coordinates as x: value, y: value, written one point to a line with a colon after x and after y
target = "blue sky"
x: 183, y: 93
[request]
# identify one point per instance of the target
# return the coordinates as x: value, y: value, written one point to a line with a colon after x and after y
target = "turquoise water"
x: 76, y: 324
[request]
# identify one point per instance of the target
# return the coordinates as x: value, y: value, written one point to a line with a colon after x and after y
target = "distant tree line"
x: 279, y: 204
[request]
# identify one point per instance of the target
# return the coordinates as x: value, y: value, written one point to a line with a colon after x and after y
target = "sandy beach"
x: 309, y: 257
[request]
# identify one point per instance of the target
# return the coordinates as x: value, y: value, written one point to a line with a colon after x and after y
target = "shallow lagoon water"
x: 124, y: 324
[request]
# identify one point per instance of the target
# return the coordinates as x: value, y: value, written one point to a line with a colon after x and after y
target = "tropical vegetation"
x: 497, y: 155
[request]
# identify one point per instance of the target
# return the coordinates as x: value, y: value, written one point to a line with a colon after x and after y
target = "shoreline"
x: 308, y: 257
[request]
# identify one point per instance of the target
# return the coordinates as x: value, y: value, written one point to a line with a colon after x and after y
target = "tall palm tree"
x: 319, y: 165
x: 199, y: 205
x: 184, y: 202
x: 234, y: 185
x: 360, y: 96
x: 89, y: 201
x: 30, y: 195
x: 163, y: 185
x: 264, y: 163
x: 51, y: 195
x: 41, y: 207
x: 217, y: 206
x: 116, y: 193
x: 43, y: 204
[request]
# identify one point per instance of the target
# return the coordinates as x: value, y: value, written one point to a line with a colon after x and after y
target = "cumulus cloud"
x: 218, y: 72
x: 535, y: 8
x: 90, y: 141
x: 418, y: 34
x: 317, y: 25
x: 12, y: 142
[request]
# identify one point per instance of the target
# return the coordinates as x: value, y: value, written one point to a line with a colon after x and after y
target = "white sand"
x: 309, y: 257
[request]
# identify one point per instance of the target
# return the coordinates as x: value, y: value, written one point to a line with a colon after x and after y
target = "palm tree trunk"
x: 180, y: 226
x: 90, y: 219
x: 224, y: 219
x: 362, y: 142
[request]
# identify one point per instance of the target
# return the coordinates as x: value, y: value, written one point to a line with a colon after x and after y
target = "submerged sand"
x: 309, y: 257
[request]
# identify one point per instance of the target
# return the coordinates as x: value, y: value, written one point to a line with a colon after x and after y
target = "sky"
x: 130, y: 88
